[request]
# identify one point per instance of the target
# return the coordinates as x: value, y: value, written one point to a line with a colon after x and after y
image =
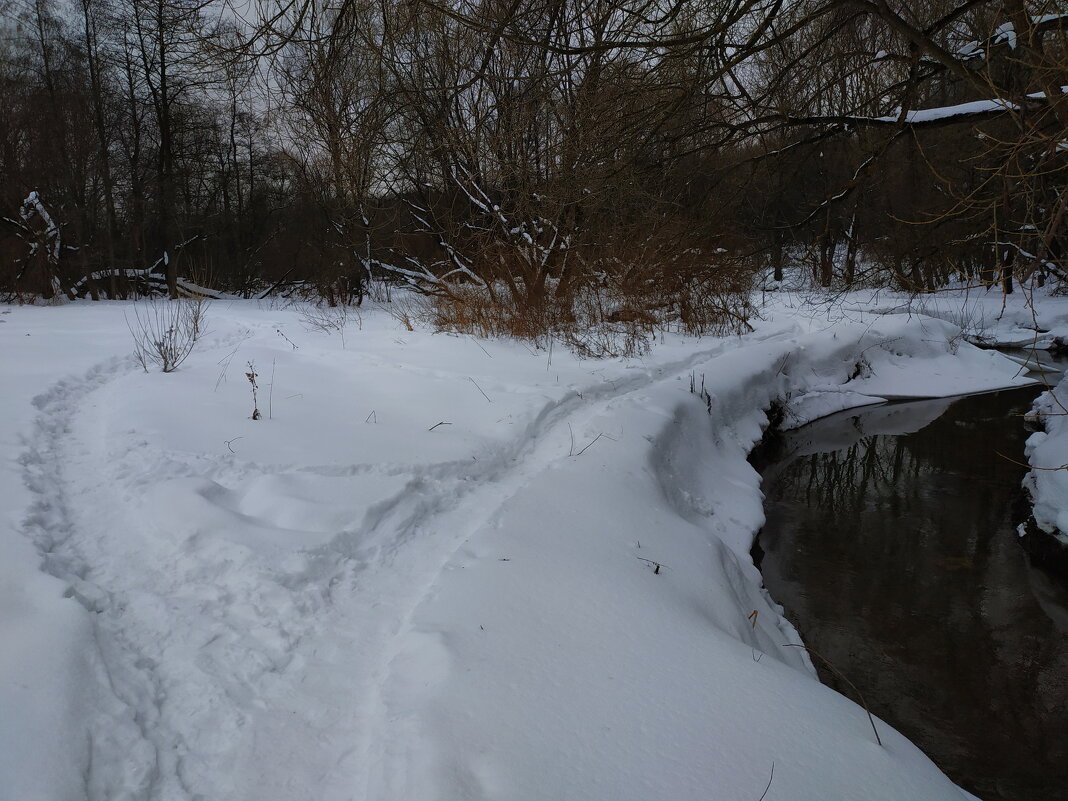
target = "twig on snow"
x: 287, y: 339
x: 484, y: 395
x: 602, y: 434
x: 224, y: 362
x: 771, y: 778
x: 656, y: 565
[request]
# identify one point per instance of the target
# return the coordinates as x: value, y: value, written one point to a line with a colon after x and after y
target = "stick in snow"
x: 840, y: 675
x: 602, y: 434
x: 484, y: 395
x: 764, y: 794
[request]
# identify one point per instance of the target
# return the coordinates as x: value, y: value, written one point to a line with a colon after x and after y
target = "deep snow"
x: 349, y: 601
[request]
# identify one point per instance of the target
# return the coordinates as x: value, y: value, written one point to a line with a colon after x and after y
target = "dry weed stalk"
x: 252, y: 375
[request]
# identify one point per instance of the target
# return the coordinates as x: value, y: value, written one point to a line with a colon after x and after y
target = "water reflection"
x: 890, y: 541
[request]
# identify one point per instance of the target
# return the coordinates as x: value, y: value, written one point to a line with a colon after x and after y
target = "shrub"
x: 165, y: 331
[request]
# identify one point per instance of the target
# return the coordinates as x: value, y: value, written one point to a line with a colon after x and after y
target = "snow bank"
x: 562, y: 610
x: 1031, y: 319
x: 437, y: 568
x: 1047, y: 453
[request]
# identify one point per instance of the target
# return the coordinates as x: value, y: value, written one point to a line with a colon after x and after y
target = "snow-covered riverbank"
x: 437, y: 568
x: 1047, y: 482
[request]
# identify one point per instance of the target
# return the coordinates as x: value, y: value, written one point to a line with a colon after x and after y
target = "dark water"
x: 891, y: 543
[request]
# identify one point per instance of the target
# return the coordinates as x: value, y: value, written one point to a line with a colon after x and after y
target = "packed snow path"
x: 348, y: 601
x: 212, y: 624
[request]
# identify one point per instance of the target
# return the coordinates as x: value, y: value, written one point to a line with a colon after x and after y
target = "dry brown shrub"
x: 712, y: 300
x: 619, y: 295
x: 471, y: 309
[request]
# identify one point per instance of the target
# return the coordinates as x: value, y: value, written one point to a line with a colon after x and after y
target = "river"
x: 891, y: 543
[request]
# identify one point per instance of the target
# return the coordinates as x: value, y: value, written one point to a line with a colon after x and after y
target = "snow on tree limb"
x: 33, y: 205
x: 940, y: 115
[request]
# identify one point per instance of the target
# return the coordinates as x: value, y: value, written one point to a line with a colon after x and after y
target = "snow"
x: 1041, y: 19
x: 549, y: 596
x: 1006, y: 32
x: 49, y: 656
x: 1047, y: 453
x: 31, y: 206
x: 1031, y: 319
x: 968, y: 109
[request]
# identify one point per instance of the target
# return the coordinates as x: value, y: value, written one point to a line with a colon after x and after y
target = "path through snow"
x: 245, y: 611
x: 324, y: 605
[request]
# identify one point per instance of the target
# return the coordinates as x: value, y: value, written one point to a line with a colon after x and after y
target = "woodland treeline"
x: 529, y: 151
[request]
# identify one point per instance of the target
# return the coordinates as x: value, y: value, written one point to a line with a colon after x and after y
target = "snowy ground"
x: 431, y: 572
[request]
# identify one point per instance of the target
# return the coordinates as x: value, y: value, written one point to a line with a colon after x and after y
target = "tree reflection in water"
x: 890, y: 541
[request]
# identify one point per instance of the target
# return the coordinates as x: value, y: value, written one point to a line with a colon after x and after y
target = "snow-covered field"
x: 438, y: 567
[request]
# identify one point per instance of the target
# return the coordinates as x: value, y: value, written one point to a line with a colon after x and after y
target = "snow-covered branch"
x: 939, y: 115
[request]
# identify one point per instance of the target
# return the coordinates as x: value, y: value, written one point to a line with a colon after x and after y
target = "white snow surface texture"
x: 1047, y: 452
x: 344, y: 600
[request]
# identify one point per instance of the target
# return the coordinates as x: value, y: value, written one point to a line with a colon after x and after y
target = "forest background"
x: 532, y: 165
